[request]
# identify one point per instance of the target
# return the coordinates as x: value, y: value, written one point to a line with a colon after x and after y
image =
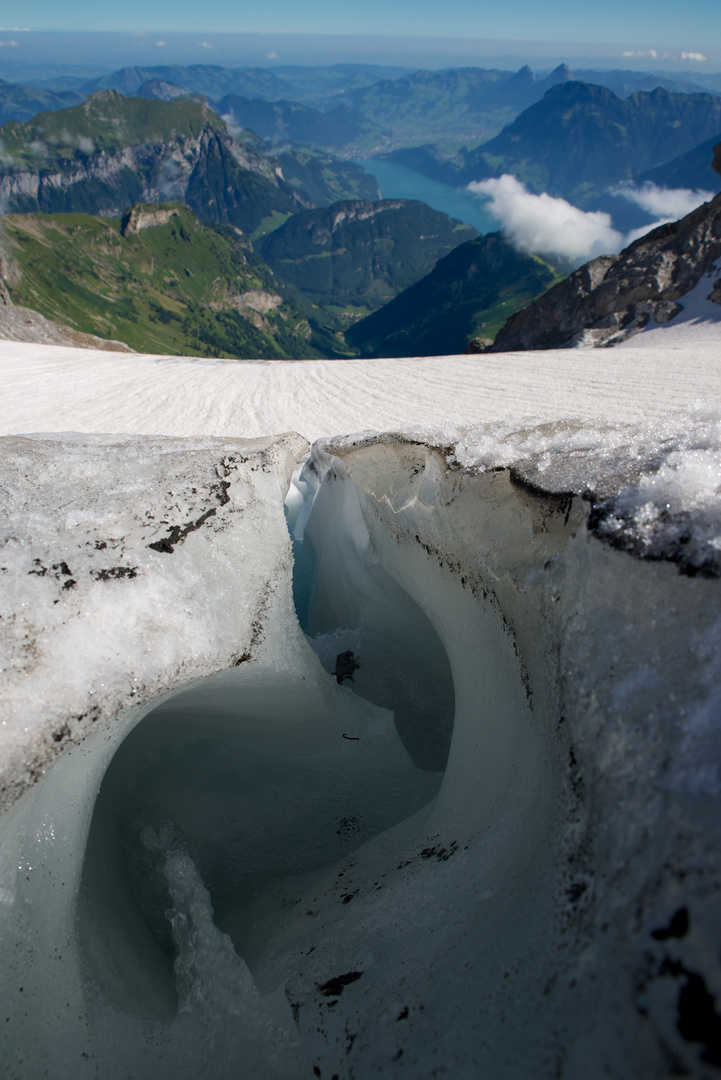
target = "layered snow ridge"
x: 463, y: 823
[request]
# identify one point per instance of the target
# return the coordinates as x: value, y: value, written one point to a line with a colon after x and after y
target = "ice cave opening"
x: 213, y: 779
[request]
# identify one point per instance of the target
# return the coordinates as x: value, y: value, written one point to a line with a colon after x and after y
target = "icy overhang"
x: 653, y: 490
x: 129, y: 566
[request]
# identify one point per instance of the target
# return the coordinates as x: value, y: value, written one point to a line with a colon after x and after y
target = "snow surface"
x: 47, y: 388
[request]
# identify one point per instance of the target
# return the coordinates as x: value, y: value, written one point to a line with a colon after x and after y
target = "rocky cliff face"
x: 113, y: 152
x: 613, y: 297
x: 218, y: 177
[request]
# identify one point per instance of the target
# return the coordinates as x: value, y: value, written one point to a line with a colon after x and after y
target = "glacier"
x: 486, y: 845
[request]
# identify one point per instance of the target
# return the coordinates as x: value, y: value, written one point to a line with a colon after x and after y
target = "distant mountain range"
x: 147, y: 217
x: 580, y: 140
x: 18, y: 102
x: 389, y: 106
x: 290, y: 122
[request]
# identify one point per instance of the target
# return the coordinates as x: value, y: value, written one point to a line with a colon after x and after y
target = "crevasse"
x: 277, y: 878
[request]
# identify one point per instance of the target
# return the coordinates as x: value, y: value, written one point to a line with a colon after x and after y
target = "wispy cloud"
x: 161, y: 44
x: 668, y: 203
x: 653, y: 54
x: 205, y: 45
x: 9, y: 45
x: 547, y: 226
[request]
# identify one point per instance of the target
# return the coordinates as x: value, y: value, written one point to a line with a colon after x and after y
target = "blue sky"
x: 628, y: 23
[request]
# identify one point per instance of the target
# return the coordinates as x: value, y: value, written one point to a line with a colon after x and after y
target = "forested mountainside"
x: 360, y: 254
x: 112, y: 151
x: 469, y: 293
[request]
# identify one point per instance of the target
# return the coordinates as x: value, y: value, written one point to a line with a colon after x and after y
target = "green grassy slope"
x: 177, y: 287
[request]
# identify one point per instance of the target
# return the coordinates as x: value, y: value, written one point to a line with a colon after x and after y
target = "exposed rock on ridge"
x: 23, y: 324
x: 613, y: 297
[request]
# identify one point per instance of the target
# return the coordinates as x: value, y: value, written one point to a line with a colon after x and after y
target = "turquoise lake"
x: 400, y: 182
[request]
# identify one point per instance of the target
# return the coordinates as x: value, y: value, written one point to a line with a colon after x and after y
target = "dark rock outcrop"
x: 613, y: 297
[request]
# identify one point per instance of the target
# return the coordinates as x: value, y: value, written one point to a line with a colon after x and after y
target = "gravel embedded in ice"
x: 128, y: 565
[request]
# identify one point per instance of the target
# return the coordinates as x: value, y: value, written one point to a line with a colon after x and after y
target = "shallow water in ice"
x: 346, y: 602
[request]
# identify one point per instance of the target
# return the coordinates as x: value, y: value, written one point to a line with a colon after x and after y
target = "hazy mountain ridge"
x: 289, y: 121
x: 456, y: 104
x: 20, y: 102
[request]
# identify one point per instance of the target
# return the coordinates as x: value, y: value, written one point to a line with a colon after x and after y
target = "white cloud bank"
x: 544, y: 225
x: 547, y: 226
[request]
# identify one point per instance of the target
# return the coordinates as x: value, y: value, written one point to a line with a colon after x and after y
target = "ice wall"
x: 574, y: 931
x: 128, y: 566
